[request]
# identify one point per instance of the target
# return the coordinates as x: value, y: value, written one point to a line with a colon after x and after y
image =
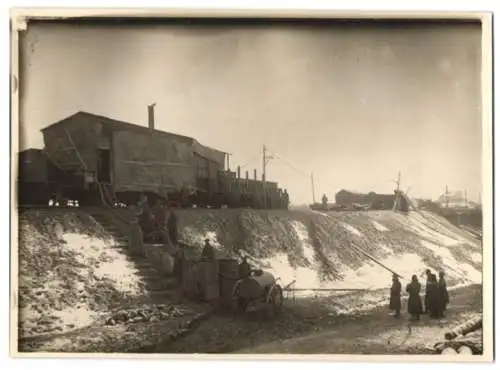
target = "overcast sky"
x: 353, y: 105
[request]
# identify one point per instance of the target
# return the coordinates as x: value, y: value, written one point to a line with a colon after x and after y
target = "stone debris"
x: 145, y: 313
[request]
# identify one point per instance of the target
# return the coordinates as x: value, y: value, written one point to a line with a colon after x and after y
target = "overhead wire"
x: 250, y: 161
x: 289, y: 164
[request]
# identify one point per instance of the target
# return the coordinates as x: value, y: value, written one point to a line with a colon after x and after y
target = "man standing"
x: 136, y: 238
x: 244, y: 268
x: 427, y: 287
x: 324, y: 201
x: 414, y: 302
x: 286, y: 199
x: 208, y: 251
x: 442, y: 291
x: 433, y: 297
x: 395, y: 299
x: 172, y: 228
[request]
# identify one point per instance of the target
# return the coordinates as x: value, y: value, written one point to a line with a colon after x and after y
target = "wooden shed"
x: 128, y: 157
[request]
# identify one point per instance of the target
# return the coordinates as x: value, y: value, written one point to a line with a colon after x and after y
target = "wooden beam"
x: 327, y: 289
x: 76, y: 149
x: 156, y: 163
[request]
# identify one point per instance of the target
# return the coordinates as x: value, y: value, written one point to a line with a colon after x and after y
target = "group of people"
x: 436, y: 296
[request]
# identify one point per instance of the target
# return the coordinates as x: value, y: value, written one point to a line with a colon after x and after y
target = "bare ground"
x: 306, y: 326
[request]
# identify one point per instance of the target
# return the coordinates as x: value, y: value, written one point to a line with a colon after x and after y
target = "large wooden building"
x: 95, y: 156
x: 130, y: 157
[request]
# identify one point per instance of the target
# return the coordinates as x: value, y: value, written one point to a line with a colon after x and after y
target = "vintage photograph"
x: 251, y: 186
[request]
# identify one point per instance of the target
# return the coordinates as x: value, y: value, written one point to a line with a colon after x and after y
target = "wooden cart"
x: 260, y: 290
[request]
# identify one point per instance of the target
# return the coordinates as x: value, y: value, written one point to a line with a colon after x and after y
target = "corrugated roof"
x: 121, y: 125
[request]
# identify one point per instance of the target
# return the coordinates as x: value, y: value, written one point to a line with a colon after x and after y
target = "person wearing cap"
x: 208, y: 251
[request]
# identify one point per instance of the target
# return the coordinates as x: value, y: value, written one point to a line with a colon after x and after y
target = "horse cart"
x: 259, y: 290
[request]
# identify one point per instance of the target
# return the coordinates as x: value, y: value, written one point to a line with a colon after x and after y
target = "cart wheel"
x: 237, y: 303
x: 275, y: 302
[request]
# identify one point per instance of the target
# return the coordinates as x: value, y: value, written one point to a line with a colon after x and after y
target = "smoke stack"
x: 151, y: 116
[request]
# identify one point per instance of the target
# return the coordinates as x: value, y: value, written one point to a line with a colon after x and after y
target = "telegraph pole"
x: 227, y: 160
x: 446, y: 197
x: 312, y: 185
x: 466, y: 200
x: 265, y: 159
x: 264, y: 162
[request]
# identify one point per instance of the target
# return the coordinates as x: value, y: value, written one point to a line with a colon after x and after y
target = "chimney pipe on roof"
x: 151, y: 116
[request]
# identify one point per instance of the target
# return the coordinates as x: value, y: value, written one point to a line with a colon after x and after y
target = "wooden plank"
x: 156, y: 163
x: 326, y: 290
x: 76, y: 149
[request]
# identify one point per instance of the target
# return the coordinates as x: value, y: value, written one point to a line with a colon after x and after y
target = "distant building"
x: 347, y: 198
x: 456, y: 200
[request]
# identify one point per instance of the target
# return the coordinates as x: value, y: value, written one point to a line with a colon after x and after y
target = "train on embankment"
x: 98, y: 160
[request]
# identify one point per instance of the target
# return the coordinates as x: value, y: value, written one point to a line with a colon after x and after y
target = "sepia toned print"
x: 252, y: 186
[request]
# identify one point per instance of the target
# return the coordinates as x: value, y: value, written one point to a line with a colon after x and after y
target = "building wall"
x: 84, y: 133
x: 347, y: 198
x: 152, y: 163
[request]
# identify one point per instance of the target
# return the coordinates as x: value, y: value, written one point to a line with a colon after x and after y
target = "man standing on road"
x: 427, y: 287
x: 444, y: 297
x: 431, y: 291
x: 414, y: 301
x: 395, y: 300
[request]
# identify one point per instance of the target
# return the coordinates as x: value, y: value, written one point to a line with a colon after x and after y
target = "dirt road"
x: 308, y: 327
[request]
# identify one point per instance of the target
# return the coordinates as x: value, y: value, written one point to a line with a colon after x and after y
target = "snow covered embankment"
x: 69, y: 273
x: 325, y: 253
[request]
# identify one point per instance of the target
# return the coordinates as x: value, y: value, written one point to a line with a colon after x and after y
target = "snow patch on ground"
x: 111, y: 263
x: 352, y: 229
x: 418, y: 223
x: 303, y: 235
x: 379, y: 226
x: 462, y: 271
x: 477, y: 257
x: 370, y: 276
x: 71, y: 280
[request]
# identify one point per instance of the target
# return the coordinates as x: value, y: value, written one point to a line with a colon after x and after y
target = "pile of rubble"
x: 145, y: 313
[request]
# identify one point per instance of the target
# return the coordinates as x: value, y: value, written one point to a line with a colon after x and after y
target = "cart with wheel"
x: 259, y: 290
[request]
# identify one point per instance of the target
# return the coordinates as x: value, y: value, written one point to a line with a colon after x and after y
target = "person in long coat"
x: 426, y: 297
x: 244, y: 268
x: 208, y: 251
x: 414, y: 301
x: 395, y: 299
x: 442, y: 289
x: 172, y: 228
x: 434, y: 303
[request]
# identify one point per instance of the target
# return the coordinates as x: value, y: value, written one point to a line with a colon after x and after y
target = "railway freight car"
x: 97, y: 160
x: 35, y: 172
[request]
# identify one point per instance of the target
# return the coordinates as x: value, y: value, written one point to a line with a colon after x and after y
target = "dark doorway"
x: 104, y: 166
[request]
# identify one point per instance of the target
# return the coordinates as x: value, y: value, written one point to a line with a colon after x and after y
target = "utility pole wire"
x: 304, y: 173
x: 250, y: 161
